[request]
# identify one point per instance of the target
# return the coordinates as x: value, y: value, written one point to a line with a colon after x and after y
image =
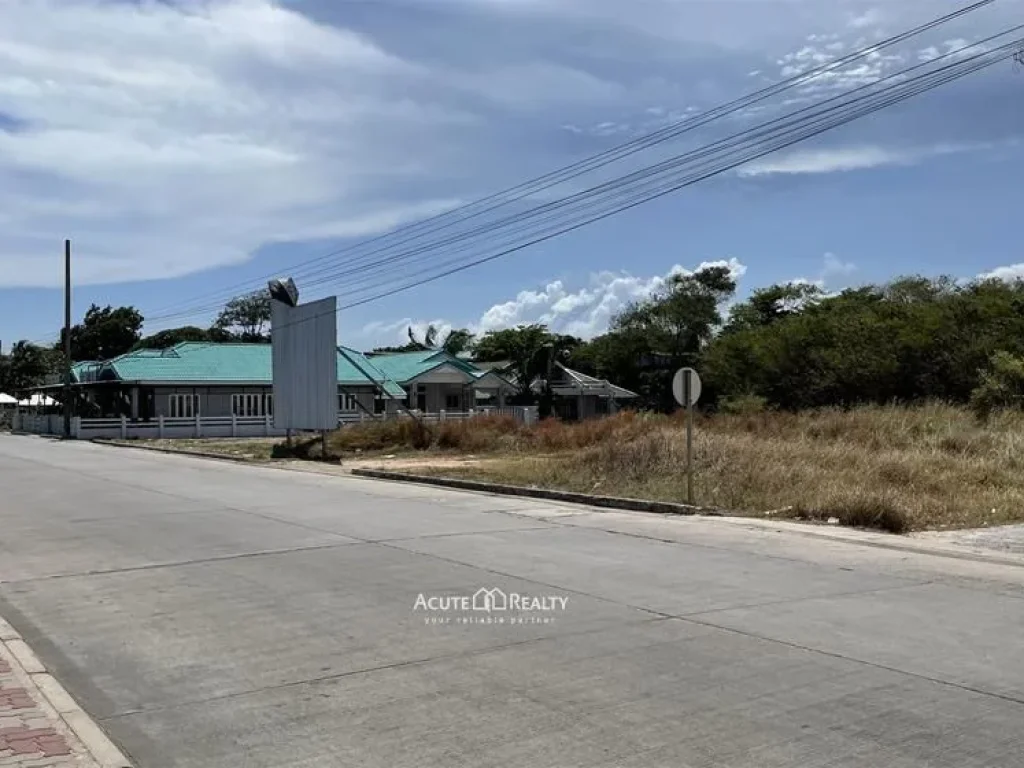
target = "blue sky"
x: 191, y: 148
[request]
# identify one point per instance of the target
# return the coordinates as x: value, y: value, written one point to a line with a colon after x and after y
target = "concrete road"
x: 215, y: 615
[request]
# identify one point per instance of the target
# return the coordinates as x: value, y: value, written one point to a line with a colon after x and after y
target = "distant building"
x: 211, y: 379
x: 223, y: 379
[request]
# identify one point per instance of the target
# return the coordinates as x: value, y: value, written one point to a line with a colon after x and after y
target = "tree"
x: 105, y: 332
x: 769, y: 305
x: 911, y: 339
x: 681, y: 317
x: 246, y: 317
x: 172, y: 336
x: 527, y: 351
x: 456, y: 341
x: 1001, y: 386
x: 25, y: 367
x: 674, y: 325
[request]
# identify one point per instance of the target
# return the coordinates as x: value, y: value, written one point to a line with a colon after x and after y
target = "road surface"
x: 212, y: 615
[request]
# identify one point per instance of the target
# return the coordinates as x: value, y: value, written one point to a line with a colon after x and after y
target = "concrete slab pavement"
x: 212, y: 615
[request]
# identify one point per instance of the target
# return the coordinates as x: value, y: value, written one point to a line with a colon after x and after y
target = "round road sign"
x: 679, y: 386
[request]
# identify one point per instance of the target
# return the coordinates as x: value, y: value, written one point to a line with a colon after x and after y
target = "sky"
x: 192, y: 148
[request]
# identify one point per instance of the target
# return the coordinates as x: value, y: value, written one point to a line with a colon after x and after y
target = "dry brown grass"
x: 892, y: 468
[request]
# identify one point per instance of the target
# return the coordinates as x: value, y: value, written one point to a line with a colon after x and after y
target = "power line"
x: 527, y: 189
x: 793, y: 134
x: 760, y: 131
x: 733, y: 163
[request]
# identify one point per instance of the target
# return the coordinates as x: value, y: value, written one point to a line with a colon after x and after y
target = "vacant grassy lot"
x: 893, y: 468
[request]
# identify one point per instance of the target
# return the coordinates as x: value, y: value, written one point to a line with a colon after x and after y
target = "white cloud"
x: 166, y: 139
x: 826, y: 161
x: 833, y: 274
x: 839, y: 159
x: 870, y: 18
x: 585, y: 312
x: 835, y: 267
x: 1009, y: 273
x: 396, y: 332
x: 171, y: 137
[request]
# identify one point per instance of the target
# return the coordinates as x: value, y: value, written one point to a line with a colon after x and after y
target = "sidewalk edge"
x: 609, y: 502
x: 96, y: 742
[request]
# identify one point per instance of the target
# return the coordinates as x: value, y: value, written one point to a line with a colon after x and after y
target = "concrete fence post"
x: 160, y: 426
x: 76, y: 427
x: 198, y: 426
x: 234, y: 424
x: 443, y: 415
x: 124, y: 427
x: 266, y: 425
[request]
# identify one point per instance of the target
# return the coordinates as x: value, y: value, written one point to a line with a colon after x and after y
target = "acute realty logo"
x: 490, y: 606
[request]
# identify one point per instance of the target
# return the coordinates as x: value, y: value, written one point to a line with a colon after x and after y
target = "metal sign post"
x: 686, y: 388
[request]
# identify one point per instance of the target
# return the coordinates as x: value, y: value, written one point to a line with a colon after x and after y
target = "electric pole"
x: 67, y: 339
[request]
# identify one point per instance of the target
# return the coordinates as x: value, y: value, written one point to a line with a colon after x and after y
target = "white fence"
x: 525, y: 414
x: 218, y: 426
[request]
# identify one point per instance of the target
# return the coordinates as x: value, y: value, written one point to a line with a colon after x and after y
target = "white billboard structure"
x: 305, y: 364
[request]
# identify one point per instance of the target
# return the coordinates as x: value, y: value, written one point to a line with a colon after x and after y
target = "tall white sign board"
x: 305, y: 364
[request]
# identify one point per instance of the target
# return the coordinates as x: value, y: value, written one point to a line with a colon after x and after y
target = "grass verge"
x: 890, y: 468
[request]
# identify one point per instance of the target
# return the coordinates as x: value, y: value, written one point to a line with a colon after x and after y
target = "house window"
x: 451, y: 402
x: 183, y: 406
x: 348, y: 403
x: 252, y: 405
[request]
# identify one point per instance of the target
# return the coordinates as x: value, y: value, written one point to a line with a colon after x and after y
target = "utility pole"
x: 67, y: 339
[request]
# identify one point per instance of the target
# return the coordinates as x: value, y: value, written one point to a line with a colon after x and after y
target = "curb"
x: 95, y: 741
x: 841, y: 535
x: 262, y: 463
x: 612, y: 502
x: 174, y: 451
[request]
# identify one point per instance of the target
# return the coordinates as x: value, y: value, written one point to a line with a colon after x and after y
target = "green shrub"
x: 743, y: 405
x: 1001, y: 387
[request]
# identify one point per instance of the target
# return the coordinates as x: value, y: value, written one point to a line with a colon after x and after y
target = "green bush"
x: 743, y: 405
x: 1001, y: 387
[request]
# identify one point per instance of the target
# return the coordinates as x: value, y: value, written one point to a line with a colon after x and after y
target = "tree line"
x: 786, y: 346
x: 792, y: 346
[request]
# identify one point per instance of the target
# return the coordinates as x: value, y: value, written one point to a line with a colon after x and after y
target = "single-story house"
x: 210, y: 379
x: 438, y: 381
x: 578, y: 396
x: 224, y: 379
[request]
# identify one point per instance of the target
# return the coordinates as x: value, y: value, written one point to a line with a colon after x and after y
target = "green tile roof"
x: 85, y: 370
x: 211, y: 362
x: 405, y: 366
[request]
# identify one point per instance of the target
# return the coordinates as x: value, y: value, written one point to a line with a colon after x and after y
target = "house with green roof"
x: 234, y: 379
x: 436, y: 381
x: 211, y: 379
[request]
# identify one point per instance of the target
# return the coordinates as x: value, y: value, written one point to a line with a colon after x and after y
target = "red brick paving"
x: 31, y: 734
